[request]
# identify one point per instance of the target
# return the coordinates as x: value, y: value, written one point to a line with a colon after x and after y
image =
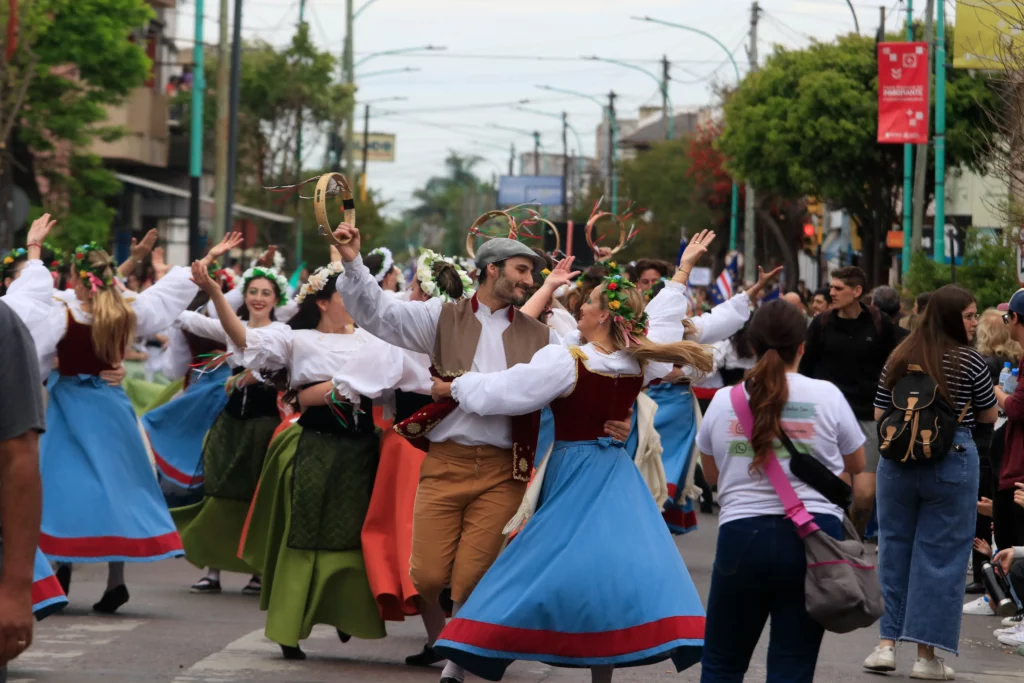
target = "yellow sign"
x: 381, y: 146
x: 987, y: 33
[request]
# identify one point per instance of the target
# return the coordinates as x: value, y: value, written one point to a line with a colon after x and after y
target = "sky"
x: 497, y: 53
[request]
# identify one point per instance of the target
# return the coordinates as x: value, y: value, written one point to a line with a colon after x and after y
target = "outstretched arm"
x: 562, y: 274
x: 234, y: 327
x: 138, y: 252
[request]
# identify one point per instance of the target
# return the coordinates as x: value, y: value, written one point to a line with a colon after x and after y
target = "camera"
x: 999, y: 590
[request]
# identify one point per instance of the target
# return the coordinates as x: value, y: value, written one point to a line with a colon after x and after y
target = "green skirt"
x: 142, y: 393
x: 302, y: 588
x: 211, y: 529
x: 167, y: 392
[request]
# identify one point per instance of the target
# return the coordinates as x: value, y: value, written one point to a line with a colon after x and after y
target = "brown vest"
x: 458, y: 333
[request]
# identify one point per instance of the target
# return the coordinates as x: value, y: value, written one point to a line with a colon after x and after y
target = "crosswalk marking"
x: 252, y: 653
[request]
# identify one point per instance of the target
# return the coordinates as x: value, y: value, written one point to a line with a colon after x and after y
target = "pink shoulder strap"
x: 795, y: 510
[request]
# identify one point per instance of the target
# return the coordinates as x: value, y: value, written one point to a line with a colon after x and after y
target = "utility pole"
x: 223, y: 117
x: 749, y: 237
x: 236, y: 80
x: 366, y: 152
x: 613, y: 175
x: 565, y: 166
x: 195, y: 136
x: 536, y: 153
x: 908, y: 169
x: 921, y: 164
x: 512, y: 160
x: 940, y: 136
x: 350, y: 78
x: 669, y: 116
x: 298, y: 160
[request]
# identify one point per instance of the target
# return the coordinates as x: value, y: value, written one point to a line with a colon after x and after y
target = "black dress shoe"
x: 64, y: 577
x: 342, y: 636
x: 450, y: 679
x: 975, y: 588
x: 112, y: 600
x: 427, y: 657
x: 293, y: 653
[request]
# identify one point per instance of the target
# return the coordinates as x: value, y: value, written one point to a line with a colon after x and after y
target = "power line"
x: 538, y: 58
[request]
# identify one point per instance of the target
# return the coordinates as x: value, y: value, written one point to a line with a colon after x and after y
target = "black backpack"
x: 920, y: 424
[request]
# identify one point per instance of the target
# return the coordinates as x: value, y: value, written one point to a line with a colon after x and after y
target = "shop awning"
x: 239, y: 209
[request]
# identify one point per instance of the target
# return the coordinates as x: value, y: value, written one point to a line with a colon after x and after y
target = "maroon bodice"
x: 597, y: 398
x: 75, y: 352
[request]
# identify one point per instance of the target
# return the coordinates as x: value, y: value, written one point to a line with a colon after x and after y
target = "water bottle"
x: 1004, y: 374
x: 1011, y: 382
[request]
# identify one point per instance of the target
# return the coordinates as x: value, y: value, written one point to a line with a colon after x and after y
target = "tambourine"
x: 549, y: 224
x: 320, y: 196
x: 594, y: 218
x: 474, y: 230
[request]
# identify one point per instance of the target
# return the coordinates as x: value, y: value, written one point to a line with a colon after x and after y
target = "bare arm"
x: 138, y: 252
x: 561, y: 275
x: 234, y: 327
x: 854, y: 462
x: 707, y: 463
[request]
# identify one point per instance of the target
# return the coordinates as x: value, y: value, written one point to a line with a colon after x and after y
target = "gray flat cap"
x: 501, y: 248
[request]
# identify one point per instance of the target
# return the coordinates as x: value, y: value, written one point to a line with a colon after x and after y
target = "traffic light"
x: 810, y: 237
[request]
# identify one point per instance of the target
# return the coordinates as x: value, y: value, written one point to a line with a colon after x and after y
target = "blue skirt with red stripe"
x: 594, y: 578
x: 47, y: 595
x: 177, y: 429
x: 677, y: 428
x: 101, y: 500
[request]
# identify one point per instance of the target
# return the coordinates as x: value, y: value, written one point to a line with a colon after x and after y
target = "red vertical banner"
x: 903, y: 83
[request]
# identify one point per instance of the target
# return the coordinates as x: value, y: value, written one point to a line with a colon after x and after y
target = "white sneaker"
x: 981, y: 606
x: 881, y: 659
x: 1015, y: 639
x: 1011, y: 629
x: 1013, y: 621
x: 932, y: 670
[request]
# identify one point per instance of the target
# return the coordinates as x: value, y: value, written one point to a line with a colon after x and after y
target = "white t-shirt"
x: 816, y: 417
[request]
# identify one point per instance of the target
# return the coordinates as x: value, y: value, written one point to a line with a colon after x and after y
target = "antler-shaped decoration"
x: 534, y: 219
x: 624, y: 235
x: 327, y: 185
x: 474, y: 230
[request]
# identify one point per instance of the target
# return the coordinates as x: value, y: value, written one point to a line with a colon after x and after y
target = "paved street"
x: 166, y: 634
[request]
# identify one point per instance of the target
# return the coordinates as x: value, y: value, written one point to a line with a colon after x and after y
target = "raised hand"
x: 697, y: 247
x: 350, y: 250
x: 562, y: 274
x: 763, y: 279
x: 37, y: 234
x: 140, y: 250
x: 267, y: 259
x: 160, y: 266
x: 202, y: 278
x: 226, y: 244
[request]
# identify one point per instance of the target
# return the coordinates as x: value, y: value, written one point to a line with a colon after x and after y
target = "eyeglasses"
x: 975, y: 316
x: 1006, y: 318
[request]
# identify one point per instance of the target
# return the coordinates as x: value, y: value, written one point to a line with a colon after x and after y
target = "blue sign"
x: 545, y: 190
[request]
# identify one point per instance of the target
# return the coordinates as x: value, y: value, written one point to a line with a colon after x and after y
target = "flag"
x: 682, y: 247
x: 772, y: 295
x: 722, y: 291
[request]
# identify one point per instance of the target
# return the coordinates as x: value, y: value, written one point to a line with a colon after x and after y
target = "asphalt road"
x: 165, y: 634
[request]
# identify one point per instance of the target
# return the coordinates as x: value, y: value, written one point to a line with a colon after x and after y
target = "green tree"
x: 73, y: 59
x: 448, y: 206
x: 805, y: 125
x: 989, y: 271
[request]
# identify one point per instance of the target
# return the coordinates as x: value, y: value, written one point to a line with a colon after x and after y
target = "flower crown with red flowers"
x: 633, y: 326
x: 97, y: 276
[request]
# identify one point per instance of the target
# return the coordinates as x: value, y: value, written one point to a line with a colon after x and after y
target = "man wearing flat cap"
x: 476, y: 470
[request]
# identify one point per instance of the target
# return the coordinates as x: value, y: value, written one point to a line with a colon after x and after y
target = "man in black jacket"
x: 849, y: 346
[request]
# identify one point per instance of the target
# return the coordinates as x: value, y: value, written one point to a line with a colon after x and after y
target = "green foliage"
x: 448, y: 206
x: 989, y: 271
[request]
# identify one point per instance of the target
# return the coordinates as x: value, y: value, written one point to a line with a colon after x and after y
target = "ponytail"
x: 682, y: 353
x: 769, y: 390
x: 113, y: 320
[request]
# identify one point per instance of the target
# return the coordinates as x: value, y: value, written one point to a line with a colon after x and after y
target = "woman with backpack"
x: 928, y: 480
x: 760, y: 563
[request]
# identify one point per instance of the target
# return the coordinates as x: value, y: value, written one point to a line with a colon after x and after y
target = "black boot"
x: 342, y: 636
x: 427, y: 657
x: 293, y: 653
x: 64, y: 577
x: 112, y: 600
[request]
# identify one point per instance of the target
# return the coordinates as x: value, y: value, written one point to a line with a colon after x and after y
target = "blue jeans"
x: 759, y: 571
x: 926, y: 515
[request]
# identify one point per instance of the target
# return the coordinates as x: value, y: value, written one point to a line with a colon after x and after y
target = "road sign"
x: 381, y: 146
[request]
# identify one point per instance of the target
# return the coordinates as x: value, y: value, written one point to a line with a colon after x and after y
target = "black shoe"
x: 450, y: 679
x: 342, y: 636
x: 205, y: 585
x: 427, y: 657
x: 254, y: 586
x: 293, y: 653
x: 975, y: 588
x: 64, y: 577
x: 111, y: 600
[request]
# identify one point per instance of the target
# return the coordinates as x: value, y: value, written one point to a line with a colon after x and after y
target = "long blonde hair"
x: 992, y: 338
x: 682, y: 353
x: 113, y: 320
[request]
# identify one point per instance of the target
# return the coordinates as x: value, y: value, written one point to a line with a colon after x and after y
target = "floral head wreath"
x: 278, y: 260
x: 387, y: 265
x: 13, y: 255
x: 318, y: 280
x: 100, y: 275
x: 272, y: 274
x: 428, y: 283
x: 633, y: 326
x: 225, y: 276
x: 57, y: 259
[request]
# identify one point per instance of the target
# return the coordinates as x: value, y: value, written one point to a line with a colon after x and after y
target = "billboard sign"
x: 524, y: 189
x: 988, y: 34
x: 379, y: 147
x: 903, y: 93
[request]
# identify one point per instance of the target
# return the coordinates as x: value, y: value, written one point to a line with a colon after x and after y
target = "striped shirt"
x: 970, y: 382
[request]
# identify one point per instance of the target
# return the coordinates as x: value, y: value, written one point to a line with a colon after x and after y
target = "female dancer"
x: 595, y: 517
x: 93, y: 444
x: 236, y: 445
x: 305, y: 521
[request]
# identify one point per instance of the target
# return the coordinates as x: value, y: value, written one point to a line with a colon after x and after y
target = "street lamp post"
x: 735, y: 66
x: 613, y: 126
x: 662, y: 85
x: 386, y: 72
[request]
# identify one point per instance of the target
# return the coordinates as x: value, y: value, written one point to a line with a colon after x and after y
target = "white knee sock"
x: 451, y: 669
x: 212, y: 574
